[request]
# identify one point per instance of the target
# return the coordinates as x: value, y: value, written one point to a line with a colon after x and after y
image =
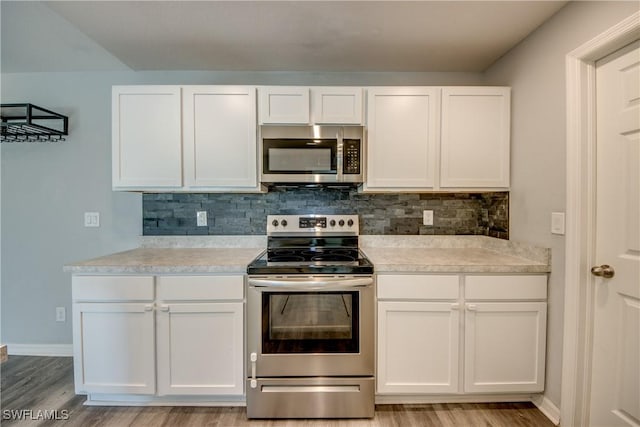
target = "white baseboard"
x: 547, y: 407
x: 40, y: 349
x: 98, y: 399
x: 450, y: 398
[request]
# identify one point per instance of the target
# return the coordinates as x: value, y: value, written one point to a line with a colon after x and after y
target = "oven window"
x: 310, y: 322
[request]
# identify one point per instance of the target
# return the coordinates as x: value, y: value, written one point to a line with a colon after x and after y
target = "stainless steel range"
x: 310, y: 336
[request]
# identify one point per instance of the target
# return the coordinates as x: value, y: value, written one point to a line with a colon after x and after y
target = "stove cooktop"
x: 311, y: 244
x: 315, y: 264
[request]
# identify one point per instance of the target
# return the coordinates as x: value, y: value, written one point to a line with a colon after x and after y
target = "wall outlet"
x: 201, y: 218
x: 427, y: 217
x: 61, y: 314
x: 92, y: 219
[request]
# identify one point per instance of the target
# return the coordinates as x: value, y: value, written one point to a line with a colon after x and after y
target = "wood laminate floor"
x: 46, y: 384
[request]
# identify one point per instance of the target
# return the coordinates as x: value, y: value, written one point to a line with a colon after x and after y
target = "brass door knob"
x: 603, y: 270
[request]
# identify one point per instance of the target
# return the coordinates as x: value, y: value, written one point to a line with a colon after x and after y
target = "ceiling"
x: 264, y: 35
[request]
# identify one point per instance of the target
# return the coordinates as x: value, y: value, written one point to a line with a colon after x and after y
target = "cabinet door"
x: 402, y: 135
x: 505, y: 347
x: 220, y: 136
x: 475, y: 137
x: 284, y: 105
x: 417, y: 347
x: 200, y: 349
x: 146, y: 137
x: 337, y: 105
x: 114, y: 348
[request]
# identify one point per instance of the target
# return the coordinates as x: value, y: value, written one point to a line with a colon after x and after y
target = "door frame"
x: 580, y: 206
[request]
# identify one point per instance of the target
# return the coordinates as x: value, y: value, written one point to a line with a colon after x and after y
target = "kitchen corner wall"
x: 454, y: 213
x: 535, y: 70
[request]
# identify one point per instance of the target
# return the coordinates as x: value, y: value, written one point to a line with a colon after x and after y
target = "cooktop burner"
x: 311, y: 244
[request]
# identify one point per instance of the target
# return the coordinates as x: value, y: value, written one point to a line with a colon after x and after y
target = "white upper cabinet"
x: 432, y: 138
x: 337, y: 105
x: 310, y: 105
x: 146, y: 137
x: 402, y: 137
x: 474, y: 148
x: 205, y: 135
x: 284, y: 105
x: 204, y: 138
x: 219, y: 132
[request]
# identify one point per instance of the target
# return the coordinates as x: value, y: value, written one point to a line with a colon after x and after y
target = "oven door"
x: 318, y: 326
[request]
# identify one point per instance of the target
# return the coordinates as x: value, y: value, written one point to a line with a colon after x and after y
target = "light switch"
x: 557, y: 223
x: 92, y: 219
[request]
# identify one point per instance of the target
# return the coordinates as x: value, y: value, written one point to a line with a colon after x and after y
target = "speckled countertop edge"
x: 231, y: 254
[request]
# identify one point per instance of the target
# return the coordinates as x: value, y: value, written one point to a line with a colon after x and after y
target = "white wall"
x: 46, y: 188
x: 535, y: 69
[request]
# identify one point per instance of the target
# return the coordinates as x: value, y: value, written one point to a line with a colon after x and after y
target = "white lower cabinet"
x: 417, y: 347
x: 505, y: 347
x: 115, y: 348
x: 187, y: 333
x: 200, y: 341
x: 505, y: 333
x: 444, y: 334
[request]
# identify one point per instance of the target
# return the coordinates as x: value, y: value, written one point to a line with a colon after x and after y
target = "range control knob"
x: 341, y: 223
x: 275, y: 223
x: 332, y: 223
x: 350, y: 223
x: 284, y: 223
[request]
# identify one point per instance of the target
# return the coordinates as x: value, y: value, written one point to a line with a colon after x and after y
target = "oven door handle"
x: 312, y: 284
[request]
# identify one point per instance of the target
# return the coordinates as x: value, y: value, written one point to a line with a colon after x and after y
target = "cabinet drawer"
x: 112, y: 288
x: 506, y: 287
x: 182, y: 288
x: 417, y: 286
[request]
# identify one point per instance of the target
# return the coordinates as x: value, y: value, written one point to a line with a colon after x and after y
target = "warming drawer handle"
x: 293, y: 283
x: 310, y: 389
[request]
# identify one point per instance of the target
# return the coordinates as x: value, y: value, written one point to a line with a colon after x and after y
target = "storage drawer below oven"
x: 322, y: 397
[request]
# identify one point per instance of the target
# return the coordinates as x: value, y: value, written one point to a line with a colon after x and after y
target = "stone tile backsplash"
x: 246, y: 214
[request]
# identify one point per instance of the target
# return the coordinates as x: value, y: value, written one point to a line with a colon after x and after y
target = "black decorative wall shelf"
x: 30, y: 123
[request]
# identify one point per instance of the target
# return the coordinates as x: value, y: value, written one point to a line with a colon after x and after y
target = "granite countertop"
x: 449, y: 254
x: 410, y: 254
x: 178, y: 255
x: 169, y: 261
x: 460, y: 260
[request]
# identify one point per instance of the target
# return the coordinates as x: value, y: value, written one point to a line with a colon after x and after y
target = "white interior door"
x: 615, y: 383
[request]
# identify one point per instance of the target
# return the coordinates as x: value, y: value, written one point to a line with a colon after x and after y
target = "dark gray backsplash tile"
x: 454, y: 213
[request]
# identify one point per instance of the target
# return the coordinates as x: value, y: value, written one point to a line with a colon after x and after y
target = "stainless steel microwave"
x: 312, y: 154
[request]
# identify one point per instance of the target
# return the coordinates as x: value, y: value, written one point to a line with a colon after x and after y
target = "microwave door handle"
x: 340, y: 154
x: 322, y: 284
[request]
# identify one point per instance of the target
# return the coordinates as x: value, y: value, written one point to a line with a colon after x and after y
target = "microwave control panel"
x: 351, y: 159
